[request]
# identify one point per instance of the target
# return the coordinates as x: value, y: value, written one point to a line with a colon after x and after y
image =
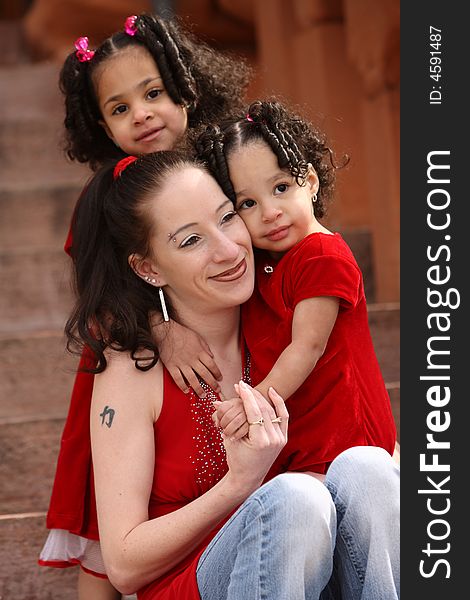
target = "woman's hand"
x: 230, y: 416
x: 186, y: 356
x: 250, y: 458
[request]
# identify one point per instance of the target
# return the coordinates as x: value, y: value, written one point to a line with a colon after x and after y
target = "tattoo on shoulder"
x: 107, y: 416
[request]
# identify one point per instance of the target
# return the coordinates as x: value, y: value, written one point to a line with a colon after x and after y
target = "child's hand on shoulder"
x: 186, y: 356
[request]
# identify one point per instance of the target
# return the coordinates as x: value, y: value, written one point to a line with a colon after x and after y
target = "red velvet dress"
x: 343, y: 403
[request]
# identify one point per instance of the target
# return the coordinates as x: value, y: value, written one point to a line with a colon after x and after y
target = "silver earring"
x: 149, y: 279
x: 162, y: 302
x: 314, y: 197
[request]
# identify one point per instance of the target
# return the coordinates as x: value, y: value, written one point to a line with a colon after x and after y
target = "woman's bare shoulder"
x: 123, y: 380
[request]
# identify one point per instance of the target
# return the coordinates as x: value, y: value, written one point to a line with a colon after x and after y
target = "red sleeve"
x: 325, y: 275
x: 68, y: 241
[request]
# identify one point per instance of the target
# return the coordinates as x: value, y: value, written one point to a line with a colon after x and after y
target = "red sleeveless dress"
x: 189, y: 460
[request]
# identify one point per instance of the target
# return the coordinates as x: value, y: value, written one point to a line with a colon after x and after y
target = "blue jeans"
x: 364, y: 483
x: 295, y: 537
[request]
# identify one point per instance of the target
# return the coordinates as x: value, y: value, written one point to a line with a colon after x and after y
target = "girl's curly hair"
x: 294, y: 141
x: 208, y: 82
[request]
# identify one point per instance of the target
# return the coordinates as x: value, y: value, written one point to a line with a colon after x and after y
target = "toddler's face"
x: 277, y: 211
x: 138, y: 114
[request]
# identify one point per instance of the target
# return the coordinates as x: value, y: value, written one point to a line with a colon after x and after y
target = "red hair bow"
x: 122, y: 164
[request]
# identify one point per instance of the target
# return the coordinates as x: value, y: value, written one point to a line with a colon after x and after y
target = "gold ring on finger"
x: 260, y: 421
x: 277, y: 420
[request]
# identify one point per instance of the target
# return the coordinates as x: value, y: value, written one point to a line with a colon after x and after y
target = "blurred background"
x: 337, y: 60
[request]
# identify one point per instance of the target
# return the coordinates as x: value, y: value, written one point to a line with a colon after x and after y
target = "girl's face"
x: 201, y: 248
x: 138, y: 114
x: 276, y: 210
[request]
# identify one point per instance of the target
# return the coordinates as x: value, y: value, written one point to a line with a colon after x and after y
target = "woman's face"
x: 201, y: 248
x: 138, y: 114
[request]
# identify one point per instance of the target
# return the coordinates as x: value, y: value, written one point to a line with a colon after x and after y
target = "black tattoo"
x: 107, y: 412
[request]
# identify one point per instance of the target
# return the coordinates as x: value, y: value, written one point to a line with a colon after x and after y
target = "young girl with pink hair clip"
x: 140, y: 91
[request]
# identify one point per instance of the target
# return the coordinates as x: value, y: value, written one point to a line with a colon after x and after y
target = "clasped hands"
x: 231, y: 415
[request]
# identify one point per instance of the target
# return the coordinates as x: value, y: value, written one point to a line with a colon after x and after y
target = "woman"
x: 167, y: 485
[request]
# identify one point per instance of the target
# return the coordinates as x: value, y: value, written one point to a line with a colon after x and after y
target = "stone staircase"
x: 38, y: 189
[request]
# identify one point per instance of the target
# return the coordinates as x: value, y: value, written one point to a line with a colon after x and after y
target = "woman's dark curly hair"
x: 111, y: 222
x: 294, y: 141
x: 209, y: 83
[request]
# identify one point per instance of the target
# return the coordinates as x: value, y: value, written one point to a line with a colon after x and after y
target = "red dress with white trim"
x: 73, y: 481
x: 71, y: 516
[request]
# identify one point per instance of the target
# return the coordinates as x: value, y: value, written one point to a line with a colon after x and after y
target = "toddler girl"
x: 306, y: 324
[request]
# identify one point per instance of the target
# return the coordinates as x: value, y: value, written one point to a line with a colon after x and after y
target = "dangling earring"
x: 163, y: 304
x: 161, y: 296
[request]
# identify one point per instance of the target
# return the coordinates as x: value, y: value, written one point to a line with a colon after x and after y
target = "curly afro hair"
x: 208, y: 82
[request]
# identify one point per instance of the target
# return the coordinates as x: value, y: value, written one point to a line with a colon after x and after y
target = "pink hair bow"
x: 82, y: 53
x: 129, y: 26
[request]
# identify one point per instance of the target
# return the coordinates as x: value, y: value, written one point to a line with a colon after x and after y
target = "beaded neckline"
x: 209, y: 460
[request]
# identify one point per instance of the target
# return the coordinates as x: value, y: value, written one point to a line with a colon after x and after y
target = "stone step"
x: 21, y: 578
x: 36, y: 376
x: 38, y: 216
x: 30, y: 90
x: 35, y: 289
x: 21, y: 539
x: 29, y: 453
x: 394, y: 393
x: 384, y: 322
x: 31, y: 152
x: 360, y: 242
x: 31, y: 131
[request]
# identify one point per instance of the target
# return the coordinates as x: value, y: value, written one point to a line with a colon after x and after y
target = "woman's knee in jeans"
x: 368, y: 473
x: 304, y: 501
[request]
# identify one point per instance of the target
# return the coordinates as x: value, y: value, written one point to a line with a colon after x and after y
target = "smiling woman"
x: 180, y: 505
x: 185, y: 239
x: 163, y: 222
x: 209, y: 260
